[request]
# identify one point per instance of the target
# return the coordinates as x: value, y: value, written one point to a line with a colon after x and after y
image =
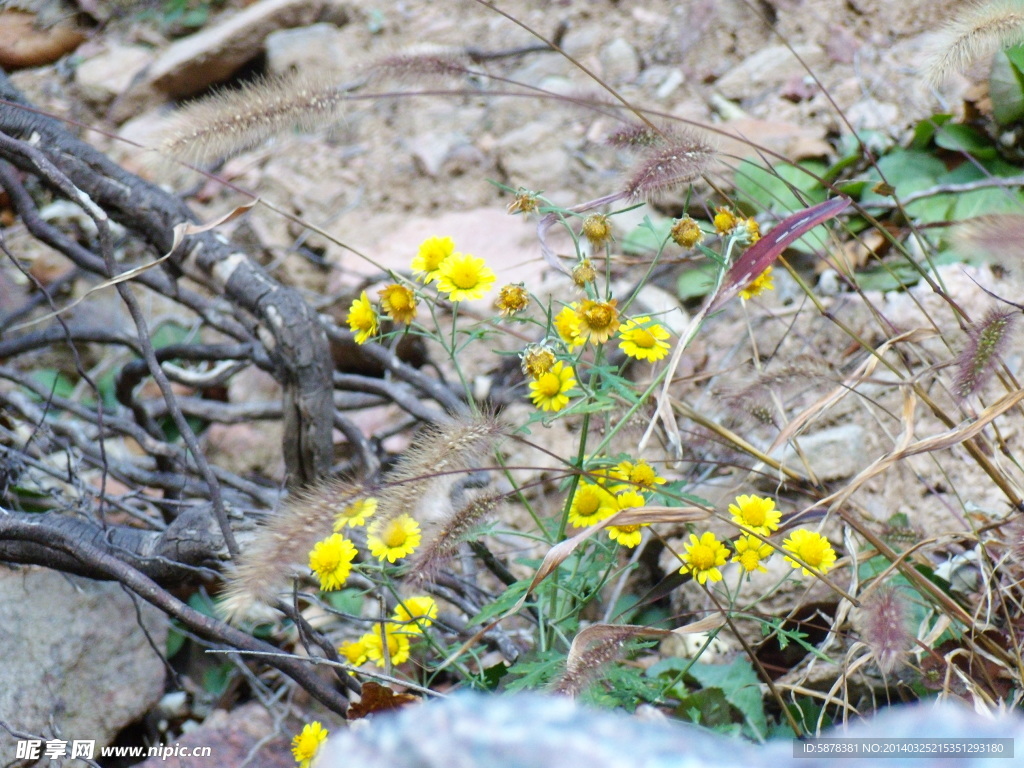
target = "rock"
x: 77, y: 665
x: 620, y: 63
x: 769, y: 68
x: 212, y: 55
x: 24, y: 42
x: 833, y: 454
x: 316, y: 48
x: 231, y: 739
x: 795, y: 142
x: 111, y: 72
x: 473, y: 730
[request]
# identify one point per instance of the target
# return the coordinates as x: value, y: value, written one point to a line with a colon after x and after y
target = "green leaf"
x: 742, y: 688
x: 785, y: 188
x: 925, y: 130
x: 964, y: 138
x: 503, y: 604
x: 348, y: 601
x: 911, y: 171
x: 694, y: 283
x: 646, y: 238
x: 1006, y: 85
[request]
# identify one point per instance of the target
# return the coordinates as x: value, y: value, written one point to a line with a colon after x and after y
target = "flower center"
x: 754, y: 516
x: 644, y: 338
x: 465, y: 277
x: 549, y: 385
x: 394, y: 534
x: 812, y: 552
x: 642, y: 475
x: 702, y: 557
x: 599, y: 317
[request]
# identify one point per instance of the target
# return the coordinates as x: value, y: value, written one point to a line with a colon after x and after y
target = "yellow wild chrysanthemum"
x: 567, y: 324
x: 686, y: 232
x: 414, y: 614
x: 724, y: 221
x: 399, y: 303
x: 751, y: 553
x: 512, y: 299
x: 643, y: 340
x: 756, y: 513
x: 307, y: 743
x: 398, y: 646
x: 591, y: 504
x: 638, y: 475
x: 549, y: 391
x: 362, y: 319
x: 703, y: 557
x: 432, y: 253
x: 331, y: 561
x: 627, y: 535
x: 813, y: 548
x: 598, y: 320
x: 583, y: 273
x: 537, y: 360
x: 464, y: 277
x: 758, y: 285
x: 354, y: 651
x: 393, y: 539
x: 355, y: 514
x: 597, y: 228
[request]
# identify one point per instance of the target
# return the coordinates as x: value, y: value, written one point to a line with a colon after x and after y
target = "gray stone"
x: 620, y: 63
x: 531, y: 731
x: 76, y: 663
x: 769, y: 67
x: 215, y: 53
x: 835, y: 453
x: 108, y: 74
x: 317, y: 48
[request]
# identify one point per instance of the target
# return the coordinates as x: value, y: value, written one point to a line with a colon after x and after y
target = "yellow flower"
x: 597, y: 229
x: 414, y: 614
x: 598, y: 320
x: 703, y: 556
x: 331, y: 561
x: 591, y: 504
x: 433, y: 251
x: 355, y: 514
x: 751, y: 552
x: 643, y: 340
x: 637, y: 475
x: 524, y: 202
x: 686, y: 232
x: 512, y: 299
x: 362, y: 319
x: 725, y: 221
x: 537, y: 360
x: 464, y: 277
x: 354, y: 651
x: 398, y: 646
x: 399, y: 302
x: 307, y: 743
x: 628, y: 535
x: 813, y: 548
x: 548, y: 392
x: 753, y: 231
x: 393, y: 539
x: 758, y: 285
x: 583, y: 273
x: 755, y: 513
x: 567, y: 323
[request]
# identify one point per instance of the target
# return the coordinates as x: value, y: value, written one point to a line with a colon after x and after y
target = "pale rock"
x: 110, y: 73
x: 835, y: 453
x: 620, y: 62
x: 317, y: 48
x: 769, y: 67
x: 77, y: 665
x: 214, y: 54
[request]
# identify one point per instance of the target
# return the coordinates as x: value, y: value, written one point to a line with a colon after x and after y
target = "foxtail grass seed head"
x: 635, y: 136
x: 884, y: 620
x: 597, y: 228
x: 459, y: 527
x: 414, y: 66
x: 234, y: 120
x: 512, y: 299
x: 976, y: 31
x: 978, y: 361
x: 584, y: 273
x: 682, y: 160
x: 999, y: 234
x: 537, y: 360
x: 686, y: 232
